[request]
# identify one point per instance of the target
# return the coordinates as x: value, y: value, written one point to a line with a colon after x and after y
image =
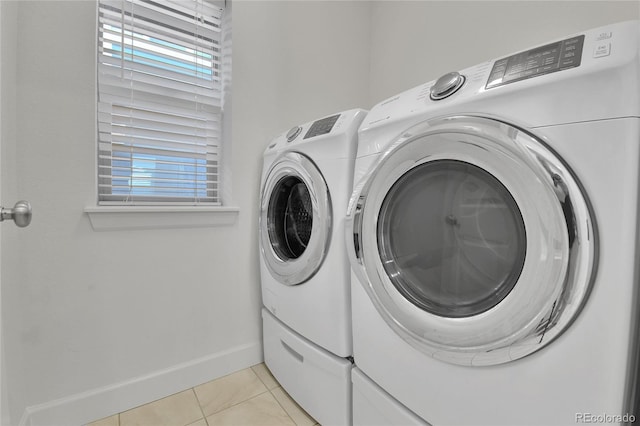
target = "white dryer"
x: 493, y: 236
x: 307, y: 180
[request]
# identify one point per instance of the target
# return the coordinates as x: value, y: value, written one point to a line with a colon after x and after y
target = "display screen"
x: 321, y: 127
x: 553, y: 57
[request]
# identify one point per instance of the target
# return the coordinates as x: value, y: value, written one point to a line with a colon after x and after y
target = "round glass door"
x: 295, y: 219
x: 290, y: 218
x: 451, y: 238
x: 473, y: 240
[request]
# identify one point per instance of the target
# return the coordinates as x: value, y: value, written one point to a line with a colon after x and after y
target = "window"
x: 159, y: 102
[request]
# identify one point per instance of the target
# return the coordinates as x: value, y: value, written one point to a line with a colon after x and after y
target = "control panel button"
x: 447, y: 85
x: 293, y: 133
x: 602, y: 49
x: 604, y: 35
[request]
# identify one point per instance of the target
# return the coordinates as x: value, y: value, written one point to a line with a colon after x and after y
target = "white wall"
x: 105, y: 320
x: 8, y: 49
x: 417, y: 41
x: 313, y: 57
x: 87, y: 310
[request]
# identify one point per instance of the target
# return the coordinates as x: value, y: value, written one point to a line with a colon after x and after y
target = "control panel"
x: 321, y: 127
x: 547, y: 59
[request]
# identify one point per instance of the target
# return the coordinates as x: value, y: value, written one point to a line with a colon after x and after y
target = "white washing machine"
x: 307, y: 180
x: 493, y: 236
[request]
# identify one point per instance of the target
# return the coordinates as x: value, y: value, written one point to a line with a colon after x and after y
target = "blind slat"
x: 140, y: 12
x: 141, y: 80
x: 160, y: 127
x: 153, y: 112
x: 165, y: 175
x: 157, y: 151
x: 175, y: 107
x: 112, y: 24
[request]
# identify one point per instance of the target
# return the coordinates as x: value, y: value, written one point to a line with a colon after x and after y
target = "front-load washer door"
x: 295, y: 219
x: 473, y: 240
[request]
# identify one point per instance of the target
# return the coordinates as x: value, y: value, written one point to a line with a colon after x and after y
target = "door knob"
x: 20, y: 214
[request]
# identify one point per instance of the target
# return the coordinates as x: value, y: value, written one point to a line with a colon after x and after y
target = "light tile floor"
x: 250, y: 397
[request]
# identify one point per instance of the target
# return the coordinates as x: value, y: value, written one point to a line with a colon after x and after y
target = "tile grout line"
x: 200, y: 406
x: 241, y: 402
x: 281, y: 406
x: 279, y: 386
x: 277, y: 400
x: 237, y: 403
x: 270, y: 390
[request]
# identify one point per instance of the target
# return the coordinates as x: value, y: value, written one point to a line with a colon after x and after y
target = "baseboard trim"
x: 84, y: 407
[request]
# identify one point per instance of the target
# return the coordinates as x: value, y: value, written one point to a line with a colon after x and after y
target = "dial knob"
x: 447, y: 85
x: 293, y: 133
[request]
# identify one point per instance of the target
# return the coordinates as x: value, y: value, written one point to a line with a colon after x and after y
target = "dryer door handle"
x: 357, y: 230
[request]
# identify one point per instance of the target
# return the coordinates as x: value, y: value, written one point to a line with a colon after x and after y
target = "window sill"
x: 118, y: 218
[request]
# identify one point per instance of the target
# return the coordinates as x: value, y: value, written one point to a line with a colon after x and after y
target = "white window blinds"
x: 159, y: 101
